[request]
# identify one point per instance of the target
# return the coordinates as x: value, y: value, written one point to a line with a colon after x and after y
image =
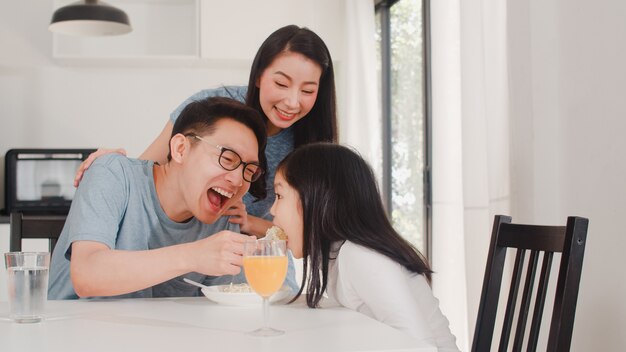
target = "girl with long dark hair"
x: 328, y: 204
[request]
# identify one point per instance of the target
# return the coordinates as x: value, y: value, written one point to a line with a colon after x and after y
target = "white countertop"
x: 178, y: 324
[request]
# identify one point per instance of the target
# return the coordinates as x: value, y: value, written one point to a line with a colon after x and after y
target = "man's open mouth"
x: 218, y: 196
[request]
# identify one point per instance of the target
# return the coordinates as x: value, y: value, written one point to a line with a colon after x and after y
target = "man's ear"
x: 179, y: 147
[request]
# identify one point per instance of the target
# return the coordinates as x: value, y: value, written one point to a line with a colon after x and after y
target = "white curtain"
x: 360, y: 115
x: 470, y: 136
x: 470, y: 149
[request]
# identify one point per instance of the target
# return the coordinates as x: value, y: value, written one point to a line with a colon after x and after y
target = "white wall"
x: 568, y: 120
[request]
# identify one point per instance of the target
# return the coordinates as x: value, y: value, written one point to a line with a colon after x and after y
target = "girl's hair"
x: 340, y: 202
x: 199, y: 117
x: 320, y: 124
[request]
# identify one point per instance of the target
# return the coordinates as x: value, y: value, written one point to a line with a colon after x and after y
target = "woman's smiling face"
x: 288, y: 89
x: 287, y: 212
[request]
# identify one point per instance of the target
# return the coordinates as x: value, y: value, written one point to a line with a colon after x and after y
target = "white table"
x: 197, y: 324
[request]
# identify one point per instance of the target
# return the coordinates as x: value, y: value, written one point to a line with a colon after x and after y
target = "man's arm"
x: 97, y: 270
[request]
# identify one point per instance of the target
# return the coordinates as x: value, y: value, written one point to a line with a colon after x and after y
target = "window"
x: 401, y: 31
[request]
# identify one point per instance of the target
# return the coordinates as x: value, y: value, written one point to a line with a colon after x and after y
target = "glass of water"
x: 27, y: 274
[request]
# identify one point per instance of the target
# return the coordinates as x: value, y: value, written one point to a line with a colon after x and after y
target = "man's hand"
x: 220, y: 254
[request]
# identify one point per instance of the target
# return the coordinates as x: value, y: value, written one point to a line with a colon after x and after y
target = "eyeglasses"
x: 229, y: 160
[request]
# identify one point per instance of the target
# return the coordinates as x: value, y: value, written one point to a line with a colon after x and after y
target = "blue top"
x: 117, y: 204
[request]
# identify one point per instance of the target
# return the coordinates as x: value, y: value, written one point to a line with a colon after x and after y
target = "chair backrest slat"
x: 510, y: 305
x: 544, y: 278
x: 526, y: 298
x: 568, y: 240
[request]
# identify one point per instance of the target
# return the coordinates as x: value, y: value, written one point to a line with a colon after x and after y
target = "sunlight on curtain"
x: 360, y: 126
x: 448, y: 254
x: 470, y: 149
x: 486, y: 134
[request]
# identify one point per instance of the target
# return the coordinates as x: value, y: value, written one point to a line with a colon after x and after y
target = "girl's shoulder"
x: 351, y: 252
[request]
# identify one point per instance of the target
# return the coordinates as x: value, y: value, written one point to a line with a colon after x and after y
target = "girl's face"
x: 288, y: 89
x: 287, y: 212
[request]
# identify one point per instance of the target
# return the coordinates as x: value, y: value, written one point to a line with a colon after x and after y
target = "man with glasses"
x: 136, y: 228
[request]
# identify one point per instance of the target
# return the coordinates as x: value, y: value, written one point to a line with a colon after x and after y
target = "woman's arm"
x: 160, y: 147
x: 257, y: 226
x: 248, y: 224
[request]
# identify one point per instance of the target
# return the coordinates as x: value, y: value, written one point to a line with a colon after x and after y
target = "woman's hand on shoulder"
x: 90, y: 159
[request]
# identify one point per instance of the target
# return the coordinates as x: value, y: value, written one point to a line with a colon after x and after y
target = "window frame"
x: 382, y: 7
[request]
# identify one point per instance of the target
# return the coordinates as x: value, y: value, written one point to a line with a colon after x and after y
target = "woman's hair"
x: 320, y: 124
x: 199, y: 118
x: 340, y: 202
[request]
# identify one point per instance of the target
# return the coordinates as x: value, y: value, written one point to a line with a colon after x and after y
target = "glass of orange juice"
x: 265, y: 267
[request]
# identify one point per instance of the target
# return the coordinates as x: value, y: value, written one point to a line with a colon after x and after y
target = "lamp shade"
x: 90, y: 18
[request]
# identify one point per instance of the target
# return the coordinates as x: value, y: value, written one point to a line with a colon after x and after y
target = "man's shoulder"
x: 115, y: 160
x: 117, y: 167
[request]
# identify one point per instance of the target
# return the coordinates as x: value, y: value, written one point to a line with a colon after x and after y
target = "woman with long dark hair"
x: 328, y: 204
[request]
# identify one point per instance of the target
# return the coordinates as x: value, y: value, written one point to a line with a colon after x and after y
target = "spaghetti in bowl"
x: 241, y: 295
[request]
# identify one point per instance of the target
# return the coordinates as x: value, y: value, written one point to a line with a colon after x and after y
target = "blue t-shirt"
x: 117, y: 204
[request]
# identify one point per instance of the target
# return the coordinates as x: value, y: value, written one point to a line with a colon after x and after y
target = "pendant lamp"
x: 90, y: 18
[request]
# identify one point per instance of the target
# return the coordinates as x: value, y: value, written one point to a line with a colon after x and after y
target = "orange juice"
x: 265, y: 274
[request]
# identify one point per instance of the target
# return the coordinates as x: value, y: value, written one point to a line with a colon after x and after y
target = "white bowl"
x: 217, y: 295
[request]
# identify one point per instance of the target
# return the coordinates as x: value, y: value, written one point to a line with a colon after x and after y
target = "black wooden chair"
x: 34, y: 226
x: 568, y: 240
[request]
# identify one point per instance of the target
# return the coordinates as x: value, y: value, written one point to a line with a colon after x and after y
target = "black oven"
x: 40, y: 181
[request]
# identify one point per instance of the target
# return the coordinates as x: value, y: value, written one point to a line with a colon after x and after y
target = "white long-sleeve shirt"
x: 373, y: 284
